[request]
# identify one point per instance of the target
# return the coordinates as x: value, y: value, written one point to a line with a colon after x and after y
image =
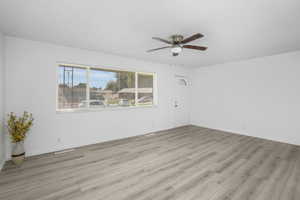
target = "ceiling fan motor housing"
x: 176, y: 39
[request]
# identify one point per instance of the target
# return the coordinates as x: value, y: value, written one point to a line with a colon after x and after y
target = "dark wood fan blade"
x: 193, y: 37
x: 162, y: 40
x: 159, y: 48
x: 194, y: 47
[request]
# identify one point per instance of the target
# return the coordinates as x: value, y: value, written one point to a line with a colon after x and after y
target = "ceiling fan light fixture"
x: 176, y: 49
x: 176, y: 43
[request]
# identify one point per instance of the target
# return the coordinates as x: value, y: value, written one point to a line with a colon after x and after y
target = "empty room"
x: 149, y: 100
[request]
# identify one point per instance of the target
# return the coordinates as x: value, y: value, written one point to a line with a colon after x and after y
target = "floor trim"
x: 236, y: 132
x: 74, y: 148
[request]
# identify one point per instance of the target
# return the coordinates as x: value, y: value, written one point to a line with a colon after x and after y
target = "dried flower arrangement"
x: 19, y: 126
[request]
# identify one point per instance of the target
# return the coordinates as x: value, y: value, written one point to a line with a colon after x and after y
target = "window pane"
x: 72, y: 87
x: 111, y: 88
x: 145, y: 89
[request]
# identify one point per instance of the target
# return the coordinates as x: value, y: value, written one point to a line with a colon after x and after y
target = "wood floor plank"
x: 185, y: 163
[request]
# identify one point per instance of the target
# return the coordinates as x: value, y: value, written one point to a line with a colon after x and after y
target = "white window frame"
x: 88, y: 68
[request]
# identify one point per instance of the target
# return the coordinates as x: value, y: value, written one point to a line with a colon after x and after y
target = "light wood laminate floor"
x: 186, y: 163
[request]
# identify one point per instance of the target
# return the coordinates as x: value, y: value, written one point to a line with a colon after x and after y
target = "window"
x: 72, y: 87
x: 91, y: 88
x: 145, y: 89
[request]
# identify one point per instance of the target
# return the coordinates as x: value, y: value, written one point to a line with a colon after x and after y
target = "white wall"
x: 31, y: 85
x: 258, y: 97
x: 2, y: 149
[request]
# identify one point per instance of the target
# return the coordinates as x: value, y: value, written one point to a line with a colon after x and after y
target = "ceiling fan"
x: 178, y: 42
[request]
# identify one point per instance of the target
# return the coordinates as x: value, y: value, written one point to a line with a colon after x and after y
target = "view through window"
x: 85, y: 87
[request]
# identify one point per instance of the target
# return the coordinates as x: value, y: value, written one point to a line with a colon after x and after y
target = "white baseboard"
x: 238, y: 132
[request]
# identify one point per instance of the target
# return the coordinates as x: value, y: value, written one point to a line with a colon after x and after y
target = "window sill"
x: 83, y: 110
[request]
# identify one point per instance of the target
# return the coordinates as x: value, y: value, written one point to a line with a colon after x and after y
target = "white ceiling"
x: 233, y: 29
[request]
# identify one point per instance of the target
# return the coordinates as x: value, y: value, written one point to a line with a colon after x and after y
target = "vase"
x: 18, y: 153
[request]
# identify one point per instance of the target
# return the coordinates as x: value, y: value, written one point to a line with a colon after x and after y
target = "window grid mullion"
x: 136, y: 89
x: 88, y: 86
